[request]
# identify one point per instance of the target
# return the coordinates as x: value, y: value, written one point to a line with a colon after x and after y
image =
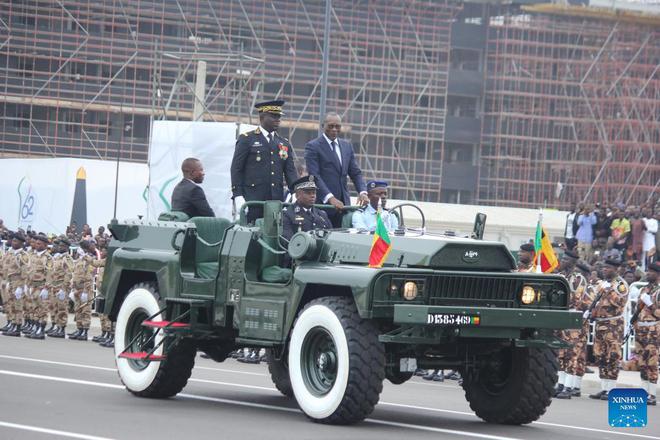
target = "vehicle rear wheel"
x: 144, y: 378
x: 515, y: 387
x: 279, y: 373
x: 336, y: 363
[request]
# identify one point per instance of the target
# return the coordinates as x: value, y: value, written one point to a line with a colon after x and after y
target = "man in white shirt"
x: 649, y: 250
x: 365, y: 218
x: 571, y: 228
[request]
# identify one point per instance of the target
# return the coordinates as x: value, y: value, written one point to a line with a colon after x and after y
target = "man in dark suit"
x: 262, y: 161
x: 332, y: 161
x: 188, y: 196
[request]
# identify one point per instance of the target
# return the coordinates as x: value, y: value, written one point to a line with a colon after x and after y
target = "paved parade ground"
x: 70, y: 389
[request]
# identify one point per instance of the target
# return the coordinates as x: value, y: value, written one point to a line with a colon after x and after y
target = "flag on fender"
x: 544, y: 255
x: 381, y: 245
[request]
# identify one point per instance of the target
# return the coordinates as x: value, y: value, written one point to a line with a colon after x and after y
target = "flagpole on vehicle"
x: 538, y: 245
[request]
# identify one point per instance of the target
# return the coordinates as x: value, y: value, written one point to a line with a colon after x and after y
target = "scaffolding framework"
x: 572, y: 111
x: 569, y: 107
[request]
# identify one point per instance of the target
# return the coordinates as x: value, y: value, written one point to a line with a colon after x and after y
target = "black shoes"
x: 58, y: 333
x: 6, y: 327
x: 101, y: 338
x: 75, y: 334
x: 566, y: 393
x: 601, y: 395
x: 14, y: 330
x: 110, y: 342
x: 558, y: 389
x: 38, y: 332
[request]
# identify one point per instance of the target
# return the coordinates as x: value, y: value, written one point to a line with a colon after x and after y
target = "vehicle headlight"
x: 410, y: 290
x: 528, y: 295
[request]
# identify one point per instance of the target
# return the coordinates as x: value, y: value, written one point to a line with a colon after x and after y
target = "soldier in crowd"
x: 38, y: 268
x: 647, y: 331
x: 27, y: 299
x: 81, y: 293
x: 574, y: 358
x: 262, y: 161
x: 14, y: 271
x: 59, y: 282
x: 365, y: 218
x: 612, y: 296
x: 106, y: 325
x: 526, y: 258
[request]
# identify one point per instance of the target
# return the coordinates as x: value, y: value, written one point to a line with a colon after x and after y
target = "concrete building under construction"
x: 500, y: 104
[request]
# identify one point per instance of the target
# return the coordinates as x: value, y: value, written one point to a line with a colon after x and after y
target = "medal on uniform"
x: 283, y: 151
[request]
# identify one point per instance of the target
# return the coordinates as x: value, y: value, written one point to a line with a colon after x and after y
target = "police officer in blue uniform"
x: 262, y: 161
x: 302, y: 215
x: 365, y: 218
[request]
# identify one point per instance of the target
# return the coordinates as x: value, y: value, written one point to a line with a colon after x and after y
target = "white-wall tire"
x: 151, y: 379
x: 358, y: 362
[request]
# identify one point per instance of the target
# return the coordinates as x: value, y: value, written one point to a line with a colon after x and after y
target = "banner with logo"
x: 210, y: 142
x: 45, y: 194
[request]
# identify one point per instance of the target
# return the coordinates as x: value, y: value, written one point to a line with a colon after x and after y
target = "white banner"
x: 210, y: 142
x: 39, y: 193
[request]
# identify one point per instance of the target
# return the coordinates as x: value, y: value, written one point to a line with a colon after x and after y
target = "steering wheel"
x: 402, y: 224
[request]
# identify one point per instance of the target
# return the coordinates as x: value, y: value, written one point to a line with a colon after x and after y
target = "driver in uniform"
x: 365, y: 218
x: 302, y: 215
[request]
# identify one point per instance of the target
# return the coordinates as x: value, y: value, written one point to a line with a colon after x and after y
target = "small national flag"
x: 544, y: 256
x: 381, y: 245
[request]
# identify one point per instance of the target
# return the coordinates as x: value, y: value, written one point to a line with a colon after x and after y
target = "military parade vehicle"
x: 333, y: 327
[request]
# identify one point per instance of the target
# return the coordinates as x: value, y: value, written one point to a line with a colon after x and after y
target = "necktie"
x: 335, y: 149
x: 270, y: 138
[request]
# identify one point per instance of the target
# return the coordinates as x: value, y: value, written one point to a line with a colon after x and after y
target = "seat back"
x: 211, y: 230
x: 271, y: 230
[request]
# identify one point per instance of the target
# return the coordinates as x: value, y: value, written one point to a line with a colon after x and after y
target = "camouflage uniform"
x: 106, y: 324
x: 608, y: 314
x: 4, y: 290
x: 27, y: 299
x: 647, y: 332
x: 59, y: 280
x: 37, y: 272
x: 81, y: 285
x: 581, y: 299
x: 14, y: 271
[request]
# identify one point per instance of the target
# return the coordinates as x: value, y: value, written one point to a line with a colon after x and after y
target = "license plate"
x: 452, y: 319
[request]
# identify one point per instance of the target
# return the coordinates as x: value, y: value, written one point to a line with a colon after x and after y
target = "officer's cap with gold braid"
x: 304, y: 183
x: 274, y: 107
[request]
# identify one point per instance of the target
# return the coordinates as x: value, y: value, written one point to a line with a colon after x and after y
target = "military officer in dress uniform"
x: 608, y: 314
x: 365, y: 218
x: 647, y: 331
x: 526, y: 258
x: 302, y: 215
x: 262, y: 161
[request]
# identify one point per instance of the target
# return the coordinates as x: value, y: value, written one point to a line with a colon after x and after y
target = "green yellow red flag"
x: 381, y: 245
x: 544, y: 256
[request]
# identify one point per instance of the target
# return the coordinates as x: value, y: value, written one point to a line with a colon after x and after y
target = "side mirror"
x: 479, y: 226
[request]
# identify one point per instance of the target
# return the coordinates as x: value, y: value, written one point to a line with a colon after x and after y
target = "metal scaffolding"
x: 569, y: 108
x: 573, y: 110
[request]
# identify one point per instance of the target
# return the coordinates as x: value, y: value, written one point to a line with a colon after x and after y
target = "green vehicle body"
x: 253, y: 312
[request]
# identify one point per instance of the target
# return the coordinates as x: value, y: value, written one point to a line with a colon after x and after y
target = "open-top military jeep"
x: 334, y: 328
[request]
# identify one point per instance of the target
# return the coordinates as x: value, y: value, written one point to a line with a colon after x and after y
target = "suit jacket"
x: 259, y: 168
x: 190, y: 198
x: 332, y: 177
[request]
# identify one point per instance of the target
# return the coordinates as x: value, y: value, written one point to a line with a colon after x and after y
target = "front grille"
x: 470, y: 290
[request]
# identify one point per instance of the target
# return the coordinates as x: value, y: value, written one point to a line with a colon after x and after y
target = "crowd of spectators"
x: 73, y: 234
x: 628, y: 233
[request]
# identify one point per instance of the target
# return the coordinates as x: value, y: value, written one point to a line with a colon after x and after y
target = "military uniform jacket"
x: 59, y: 276
x: 14, y: 267
x: 650, y: 315
x: 37, y: 270
x: 296, y: 218
x: 83, y: 272
x: 613, y: 301
x: 258, y: 168
x: 580, y: 298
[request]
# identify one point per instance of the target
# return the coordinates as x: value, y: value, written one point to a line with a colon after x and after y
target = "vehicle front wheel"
x: 514, y: 387
x: 336, y: 363
x: 149, y: 378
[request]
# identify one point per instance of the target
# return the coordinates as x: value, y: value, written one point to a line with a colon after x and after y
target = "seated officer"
x: 365, y: 218
x: 302, y: 215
